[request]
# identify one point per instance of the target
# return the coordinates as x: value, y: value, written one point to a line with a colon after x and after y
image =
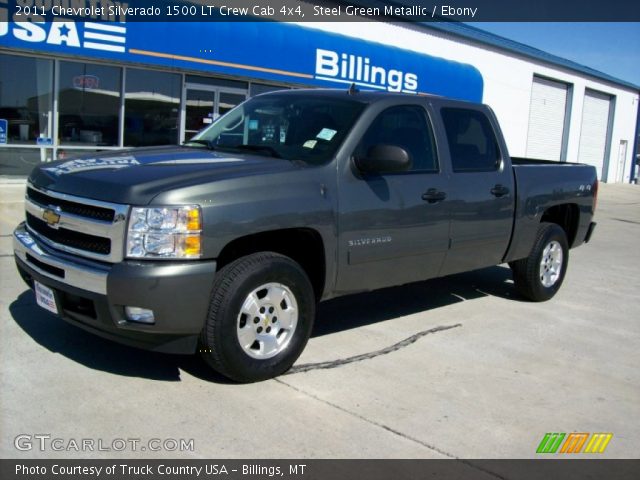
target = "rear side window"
x: 472, y: 143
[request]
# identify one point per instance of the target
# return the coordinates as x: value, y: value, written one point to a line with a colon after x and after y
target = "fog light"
x: 140, y: 315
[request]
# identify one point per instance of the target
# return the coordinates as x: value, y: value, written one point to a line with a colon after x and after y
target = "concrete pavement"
x: 459, y: 367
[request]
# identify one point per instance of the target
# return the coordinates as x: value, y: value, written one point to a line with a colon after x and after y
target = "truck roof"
x: 365, y: 96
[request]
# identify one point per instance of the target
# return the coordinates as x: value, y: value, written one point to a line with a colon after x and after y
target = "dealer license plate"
x: 45, y: 297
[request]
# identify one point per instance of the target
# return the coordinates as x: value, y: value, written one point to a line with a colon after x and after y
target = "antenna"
x: 353, y: 89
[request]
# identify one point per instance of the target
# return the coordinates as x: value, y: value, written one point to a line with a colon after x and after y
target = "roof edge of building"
x: 482, y: 36
x: 470, y: 32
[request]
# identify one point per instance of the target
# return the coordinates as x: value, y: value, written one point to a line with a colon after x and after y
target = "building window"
x: 88, y: 104
x: 217, y: 82
x: 152, y: 106
x: 20, y: 161
x: 258, y: 88
x: 25, y: 98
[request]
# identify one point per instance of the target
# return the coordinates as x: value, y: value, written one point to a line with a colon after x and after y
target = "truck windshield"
x: 294, y: 127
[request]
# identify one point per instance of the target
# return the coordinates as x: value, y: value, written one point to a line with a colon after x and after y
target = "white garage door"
x: 546, y: 119
x: 593, y: 133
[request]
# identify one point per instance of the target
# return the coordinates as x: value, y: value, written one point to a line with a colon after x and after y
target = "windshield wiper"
x: 259, y: 148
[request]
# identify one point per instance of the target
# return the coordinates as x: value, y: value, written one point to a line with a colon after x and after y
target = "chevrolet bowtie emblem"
x: 51, y: 217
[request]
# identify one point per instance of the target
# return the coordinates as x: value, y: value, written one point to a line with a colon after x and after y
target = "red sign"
x: 86, y: 82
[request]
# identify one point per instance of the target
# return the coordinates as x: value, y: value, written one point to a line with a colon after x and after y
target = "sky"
x: 612, y: 48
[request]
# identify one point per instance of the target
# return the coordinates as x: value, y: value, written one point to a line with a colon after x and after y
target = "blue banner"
x: 269, y: 51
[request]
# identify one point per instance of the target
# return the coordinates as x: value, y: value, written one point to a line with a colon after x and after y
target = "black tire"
x: 528, y: 272
x: 219, y: 343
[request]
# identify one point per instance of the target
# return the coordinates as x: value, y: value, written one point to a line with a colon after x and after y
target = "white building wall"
x: 507, y: 84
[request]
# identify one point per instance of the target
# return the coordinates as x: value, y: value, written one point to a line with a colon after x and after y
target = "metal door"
x: 203, y: 104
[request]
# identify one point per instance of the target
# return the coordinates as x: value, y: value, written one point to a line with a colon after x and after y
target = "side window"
x: 472, y: 142
x: 407, y: 127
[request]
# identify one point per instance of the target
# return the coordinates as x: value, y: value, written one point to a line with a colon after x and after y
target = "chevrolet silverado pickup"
x: 224, y: 245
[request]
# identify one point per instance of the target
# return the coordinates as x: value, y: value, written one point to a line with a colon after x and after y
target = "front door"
x: 202, y: 104
x: 394, y: 227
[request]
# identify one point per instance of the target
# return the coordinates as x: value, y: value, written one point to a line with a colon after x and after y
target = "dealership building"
x: 82, y: 85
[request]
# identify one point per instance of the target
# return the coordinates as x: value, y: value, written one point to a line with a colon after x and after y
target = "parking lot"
x: 459, y: 367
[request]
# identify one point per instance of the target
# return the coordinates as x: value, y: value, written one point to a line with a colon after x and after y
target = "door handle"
x: 499, y: 191
x: 433, y: 196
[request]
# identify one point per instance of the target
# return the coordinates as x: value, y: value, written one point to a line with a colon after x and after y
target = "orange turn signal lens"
x: 194, y: 222
x: 192, y: 246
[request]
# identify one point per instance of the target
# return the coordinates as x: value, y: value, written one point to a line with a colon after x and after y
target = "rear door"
x: 481, y: 190
x: 393, y: 227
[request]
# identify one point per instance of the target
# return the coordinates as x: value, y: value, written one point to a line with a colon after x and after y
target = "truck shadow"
x: 97, y: 353
x: 334, y: 316
x: 353, y: 311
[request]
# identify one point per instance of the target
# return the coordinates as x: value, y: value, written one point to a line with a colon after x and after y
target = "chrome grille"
x: 89, y: 211
x: 69, y: 238
x: 81, y: 226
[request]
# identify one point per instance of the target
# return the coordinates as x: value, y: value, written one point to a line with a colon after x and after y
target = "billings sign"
x: 271, y: 51
x: 346, y: 68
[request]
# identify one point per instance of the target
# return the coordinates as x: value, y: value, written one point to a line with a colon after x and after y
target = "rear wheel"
x: 261, y: 314
x: 539, y: 276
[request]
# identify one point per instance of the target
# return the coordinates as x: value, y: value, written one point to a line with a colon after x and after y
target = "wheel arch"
x: 303, y: 245
x: 567, y: 216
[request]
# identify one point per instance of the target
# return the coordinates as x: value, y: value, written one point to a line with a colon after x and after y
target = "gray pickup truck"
x: 224, y: 245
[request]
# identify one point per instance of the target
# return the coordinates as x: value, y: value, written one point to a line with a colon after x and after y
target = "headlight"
x: 165, y: 232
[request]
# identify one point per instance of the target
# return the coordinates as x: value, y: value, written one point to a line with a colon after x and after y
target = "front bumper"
x: 92, y: 295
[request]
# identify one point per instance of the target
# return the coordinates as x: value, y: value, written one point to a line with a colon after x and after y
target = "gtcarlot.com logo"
x: 44, y: 442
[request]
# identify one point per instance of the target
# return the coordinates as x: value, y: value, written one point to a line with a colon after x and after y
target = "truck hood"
x: 136, y: 176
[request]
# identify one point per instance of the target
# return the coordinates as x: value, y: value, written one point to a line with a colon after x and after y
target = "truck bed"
x: 533, y: 196
x: 537, y: 161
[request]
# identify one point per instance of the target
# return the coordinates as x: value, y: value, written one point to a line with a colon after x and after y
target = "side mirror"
x: 384, y: 159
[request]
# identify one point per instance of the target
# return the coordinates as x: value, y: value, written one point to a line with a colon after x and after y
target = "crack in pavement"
x: 366, y: 356
x: 357, y: 358
x: 626, y: 221
x: 393, y: 431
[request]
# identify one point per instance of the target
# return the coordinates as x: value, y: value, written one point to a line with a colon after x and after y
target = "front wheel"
x: 539, y: 276
x: 260, y: 318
